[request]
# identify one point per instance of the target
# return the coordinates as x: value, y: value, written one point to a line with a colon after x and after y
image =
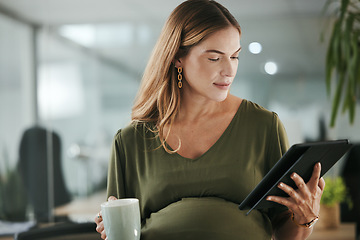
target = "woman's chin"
x: 222, y: 97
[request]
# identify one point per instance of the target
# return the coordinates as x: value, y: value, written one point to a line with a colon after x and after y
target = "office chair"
x: 35, y: 145
x: 62, y: 231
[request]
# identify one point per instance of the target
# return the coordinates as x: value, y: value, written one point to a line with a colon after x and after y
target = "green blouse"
x: 183, y: 198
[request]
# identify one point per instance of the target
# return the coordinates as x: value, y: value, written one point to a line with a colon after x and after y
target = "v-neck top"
x: 218, y: 140
x: 182, y: 198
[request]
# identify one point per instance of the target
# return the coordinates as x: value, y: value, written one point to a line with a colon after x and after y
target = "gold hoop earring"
x: 180, y: 77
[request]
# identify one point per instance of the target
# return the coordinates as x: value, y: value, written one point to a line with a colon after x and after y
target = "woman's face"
x: 210, y: 66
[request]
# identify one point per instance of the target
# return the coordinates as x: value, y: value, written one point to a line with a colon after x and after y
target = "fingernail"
x: 280, y: 185
x: 268, y: 198
x: 111, y: 198
x: 293, y: 175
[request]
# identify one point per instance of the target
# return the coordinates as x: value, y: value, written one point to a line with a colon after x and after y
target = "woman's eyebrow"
x: 219, y: 52
x: 214, y: 51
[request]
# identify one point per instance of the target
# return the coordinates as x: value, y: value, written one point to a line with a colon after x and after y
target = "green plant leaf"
x: 357, y: 75
x: 344, y: 6
x: 355, y: 45
x: 332, y: 55
x: 355, y: 5
x: 329, y: 68
x: 353, y: 71
x: 329, y: 23
x: 337, y: 98
x: 346, y: 103
x: 349, y: 103
x: 337, y: 56
x: 335, y: 191
x: 343, y: 60
x: 348, y: 65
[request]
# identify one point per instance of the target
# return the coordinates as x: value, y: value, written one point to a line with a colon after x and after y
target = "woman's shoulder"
x: 256, y: 112
x: 248, y: 106
x: 133, y: 129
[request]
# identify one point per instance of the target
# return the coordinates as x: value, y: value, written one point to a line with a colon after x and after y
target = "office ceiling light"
x: 60, y: 91
x: 255, y: 48
x: 83, y: 34
x: 270, y: 68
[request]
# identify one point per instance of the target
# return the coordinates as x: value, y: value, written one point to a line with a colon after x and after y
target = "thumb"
x: 112, y: 198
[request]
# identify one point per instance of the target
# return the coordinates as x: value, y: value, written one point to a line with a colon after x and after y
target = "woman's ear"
x: 177, y: 63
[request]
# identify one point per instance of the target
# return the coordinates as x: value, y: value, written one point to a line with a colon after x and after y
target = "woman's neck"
x: 192, y: 109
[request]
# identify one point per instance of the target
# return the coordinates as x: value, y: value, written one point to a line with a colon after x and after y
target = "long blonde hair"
x: 158, y: 98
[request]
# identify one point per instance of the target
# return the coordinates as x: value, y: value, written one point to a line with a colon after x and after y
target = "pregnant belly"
x: 205, y: 218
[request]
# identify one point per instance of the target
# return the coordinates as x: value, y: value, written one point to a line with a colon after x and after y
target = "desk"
x: 78, y: 210
x: 6, y: 238
x: 86, y: 209
x: 82, y: 210
x: 346, y: 231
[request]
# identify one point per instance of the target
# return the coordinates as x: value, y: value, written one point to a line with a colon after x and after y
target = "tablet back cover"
x: 300, y: 158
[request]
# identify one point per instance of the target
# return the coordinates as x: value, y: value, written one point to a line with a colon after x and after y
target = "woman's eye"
x: 235, y: 57
x: 213, y: 59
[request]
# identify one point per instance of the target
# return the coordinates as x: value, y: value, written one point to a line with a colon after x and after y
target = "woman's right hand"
x: 99, y: 221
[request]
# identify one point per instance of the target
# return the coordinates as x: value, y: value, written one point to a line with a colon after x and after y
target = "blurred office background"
x: 72, y: 68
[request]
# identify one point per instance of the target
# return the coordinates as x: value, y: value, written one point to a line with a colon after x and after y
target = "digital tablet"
x: 300, y: 158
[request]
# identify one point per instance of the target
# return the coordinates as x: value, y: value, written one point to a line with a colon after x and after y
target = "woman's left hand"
x: 304, y: 202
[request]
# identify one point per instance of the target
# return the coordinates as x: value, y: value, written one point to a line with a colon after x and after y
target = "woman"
x: 193, y: 151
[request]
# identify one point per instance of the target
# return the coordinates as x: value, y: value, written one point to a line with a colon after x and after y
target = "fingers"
x: 100, y: 225
x: 103, y: 235
x: 294, y: 198
x: 111, y: 198
x: 322, y: 184
x: 280, y: 200
x: 100, y: 228
x: 298, y: 181
x: 99, y: 221
x: 287, y: 189
x: 304, y: 201
x: 314, y: 180
x: 98, y: 218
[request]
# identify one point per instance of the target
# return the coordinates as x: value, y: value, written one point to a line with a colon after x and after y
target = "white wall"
x: 16, y: 85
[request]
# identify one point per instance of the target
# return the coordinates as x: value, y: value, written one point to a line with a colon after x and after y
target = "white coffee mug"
x: 122, y: 219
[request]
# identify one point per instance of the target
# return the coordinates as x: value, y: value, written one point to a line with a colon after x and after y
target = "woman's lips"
x: 223, y: 86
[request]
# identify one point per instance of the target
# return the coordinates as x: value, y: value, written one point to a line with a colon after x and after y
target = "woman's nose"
x: 229, y: 68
